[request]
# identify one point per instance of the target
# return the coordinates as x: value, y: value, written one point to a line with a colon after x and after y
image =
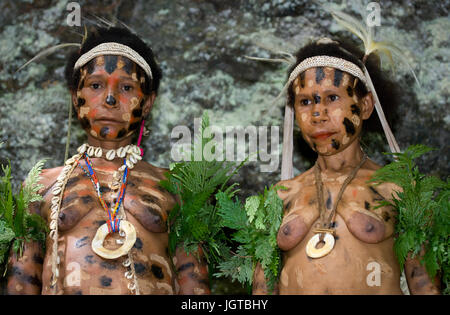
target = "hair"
x: 121, y: 36
x: 386, y: 90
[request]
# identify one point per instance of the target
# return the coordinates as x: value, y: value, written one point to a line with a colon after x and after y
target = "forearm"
x: 24, y: 275
x: 192, y: 273
x: 260, y: 284
x: 419, y: 281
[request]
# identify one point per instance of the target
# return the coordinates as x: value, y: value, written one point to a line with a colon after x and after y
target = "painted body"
x: 330, y: 117
x: 110, y: 104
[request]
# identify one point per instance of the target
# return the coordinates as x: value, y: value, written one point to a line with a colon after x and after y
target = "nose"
x: 319, y: 114
x: 110, y: 100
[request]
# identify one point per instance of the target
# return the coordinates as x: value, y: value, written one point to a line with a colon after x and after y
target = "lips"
x: 322, y: 135
x: 108, y: 120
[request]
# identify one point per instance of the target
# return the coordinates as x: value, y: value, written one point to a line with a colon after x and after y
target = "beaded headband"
x: 112, y: 48
x: 327, y: 61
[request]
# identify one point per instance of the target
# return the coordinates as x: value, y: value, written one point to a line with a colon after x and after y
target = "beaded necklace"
x: 113, y: 221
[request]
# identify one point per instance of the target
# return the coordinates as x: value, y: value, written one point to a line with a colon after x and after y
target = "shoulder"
x: 155, y: 171
x: 386, y: 190
x: 295, y: 184
x: 48, y: 177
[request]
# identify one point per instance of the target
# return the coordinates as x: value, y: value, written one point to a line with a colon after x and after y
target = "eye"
x: 333, y: 97
x: 127, y: 88
x: 305, y: 102
x: 95, y: 86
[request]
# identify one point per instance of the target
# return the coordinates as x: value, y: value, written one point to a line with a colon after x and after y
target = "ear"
x: 75, y: 100
x: 148, y: 104
x: 367, y: 105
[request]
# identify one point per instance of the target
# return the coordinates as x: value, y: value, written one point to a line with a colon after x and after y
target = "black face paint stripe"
x: 91, y: 66
x: 81, y: 101
x: 320, y: 74
x: 335, y: 144
x: 302, y: 79
x: 316, y: 99
x: 349, y: 127
x: 104, y: 132
x: 110, y: 63
x: 355, y: 109
x: 127, y: 65
x: 338, y: 74
x: 157, y: 272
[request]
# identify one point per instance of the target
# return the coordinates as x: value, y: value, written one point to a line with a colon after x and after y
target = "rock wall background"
x: 200, y: 46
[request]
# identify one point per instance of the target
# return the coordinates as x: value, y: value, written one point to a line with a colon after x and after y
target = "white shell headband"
x: 112, y: 48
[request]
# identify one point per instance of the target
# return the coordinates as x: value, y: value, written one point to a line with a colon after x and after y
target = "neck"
x: 350, y: 157
x: 108, y: 144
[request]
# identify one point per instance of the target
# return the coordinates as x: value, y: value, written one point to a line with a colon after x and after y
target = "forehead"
x: 324, y: 77
x: 111, y: 63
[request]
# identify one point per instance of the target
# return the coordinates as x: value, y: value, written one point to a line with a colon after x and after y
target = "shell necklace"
x: 117, y: 222
x: 324, y: 230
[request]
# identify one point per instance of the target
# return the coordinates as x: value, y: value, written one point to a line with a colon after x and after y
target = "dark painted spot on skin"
x: 38, y: 259
x: 329, y: 202
x: 333, y: 224
x: 378, y: 196
x: 110, y: 63
x: 89, y: 259
x: 337, y: 77
x: 104, y: 132
x: 355, y: 109
x: 417, y: 272
x: 81, y: 101
x: 110, y: 100
x: 302, y: 79
x: 350, y: 91
x: 287, y: 229
x: 370, y: 227
x: 71, y: 181
x: 121, y: 133
x: 32, y: 280
x: 386, y: 216
x: 100, y: 223
x: 139, y: 268
x: 320, y: 74
x: 335, y: 144
x: 336, y: 238
x: 137, y: 112
x: 82, y: 242
x: 157, y: 271
x: 108, y: 265
x: 79, y: 292
x: 366, y: 205
x: 138, y: 244
x: 134, y: 126
x: 312, y: 201
x: 185, y: 266
x: 349, y: 127
x: 87, y: 199
x: 105, y: 281
x: 68, y: 199
x: 85, y: 124
x: 104, y: 189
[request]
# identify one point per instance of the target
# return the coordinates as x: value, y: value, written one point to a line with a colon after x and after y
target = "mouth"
x: 322, y: 135
x: 107, y: 121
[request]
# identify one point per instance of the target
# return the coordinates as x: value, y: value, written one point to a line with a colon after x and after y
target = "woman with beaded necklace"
x: 106, y: 213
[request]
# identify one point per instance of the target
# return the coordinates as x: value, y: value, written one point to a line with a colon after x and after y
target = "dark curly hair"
x: 386, y: 90
x: 118, y: 35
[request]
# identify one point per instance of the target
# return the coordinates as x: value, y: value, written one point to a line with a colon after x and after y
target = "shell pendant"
x: 130, y: 238
x: 314, y: 252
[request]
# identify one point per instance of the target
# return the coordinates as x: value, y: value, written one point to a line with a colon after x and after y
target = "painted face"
x: 110, y: 99
x: 327, y: 109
